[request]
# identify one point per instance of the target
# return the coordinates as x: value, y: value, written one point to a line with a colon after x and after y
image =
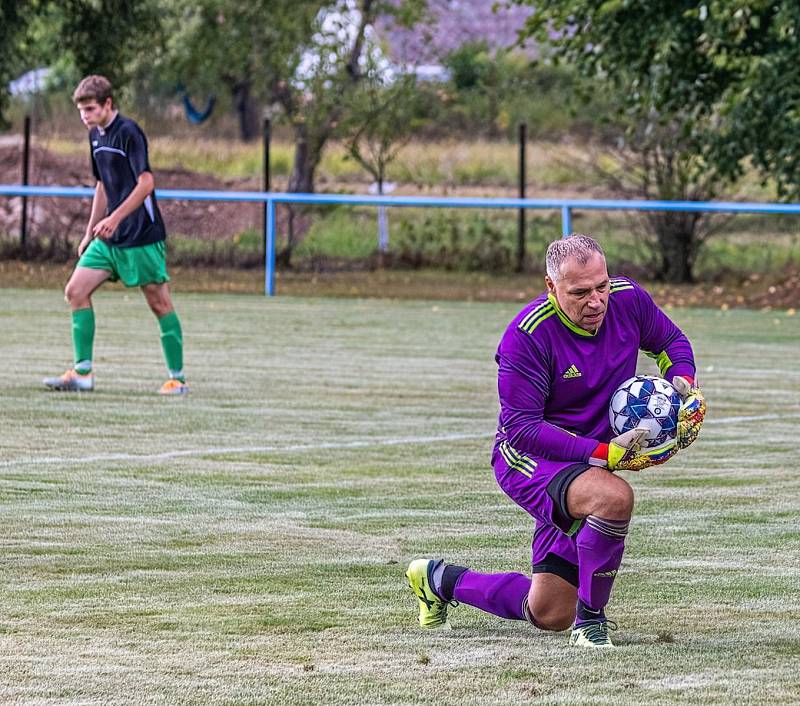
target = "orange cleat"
x: 174, y: 387
x: 71, y: 381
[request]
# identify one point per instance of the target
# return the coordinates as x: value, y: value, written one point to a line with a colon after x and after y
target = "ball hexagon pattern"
x: 646, y: 402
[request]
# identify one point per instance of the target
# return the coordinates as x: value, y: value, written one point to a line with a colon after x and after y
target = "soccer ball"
x: 646, y: 402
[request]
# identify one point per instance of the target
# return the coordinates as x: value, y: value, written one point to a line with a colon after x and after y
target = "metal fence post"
x: 523, y: 139
x: 269, y: 254
x: 266, y: 135
x: 26, y: 155
x: 566, y: 221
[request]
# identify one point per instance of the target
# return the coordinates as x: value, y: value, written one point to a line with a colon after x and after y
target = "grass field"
x: 246, y: 545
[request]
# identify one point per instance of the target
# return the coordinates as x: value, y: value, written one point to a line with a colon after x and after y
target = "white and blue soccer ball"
x: 646, y: 402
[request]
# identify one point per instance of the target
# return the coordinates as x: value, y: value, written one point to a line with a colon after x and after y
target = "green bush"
x: 492, y: 92
x: 454, y: 242
x: 243, y: 250
x: 341, y: 233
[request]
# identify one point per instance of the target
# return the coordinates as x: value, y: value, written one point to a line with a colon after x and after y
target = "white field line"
x: 753, y: 418
x: 355, y: 444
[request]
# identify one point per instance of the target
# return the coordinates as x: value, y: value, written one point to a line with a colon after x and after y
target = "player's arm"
x: 522, y: 397
x: 144, y: 187
x: 99, y: 207
x: 523, y: 386
x: 668, y: 345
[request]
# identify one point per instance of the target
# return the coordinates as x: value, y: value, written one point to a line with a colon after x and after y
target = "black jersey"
x: 119, y: 156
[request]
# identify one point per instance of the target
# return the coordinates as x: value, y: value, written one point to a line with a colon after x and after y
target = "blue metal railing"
x: 566, y: 206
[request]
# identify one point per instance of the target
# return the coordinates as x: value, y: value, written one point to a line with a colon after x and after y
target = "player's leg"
x: 551, y: 602
x: 81, y: 285
x: 554, y: 588
x: 547, y: 600
x: 146, y: 267
x: 160, y: 303
x: 604, y: 502
x: 438, y: 584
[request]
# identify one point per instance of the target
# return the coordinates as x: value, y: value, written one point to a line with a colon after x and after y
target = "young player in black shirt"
x: 124, y: 237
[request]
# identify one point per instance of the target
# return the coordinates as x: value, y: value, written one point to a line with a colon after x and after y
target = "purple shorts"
x: 539, y: 486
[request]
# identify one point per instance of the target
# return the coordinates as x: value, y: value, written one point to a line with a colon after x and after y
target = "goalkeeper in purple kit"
x: 559, y: 362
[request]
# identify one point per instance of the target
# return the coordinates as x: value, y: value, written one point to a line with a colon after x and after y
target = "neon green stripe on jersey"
x: 550, y: 307
x: 534, y: 313
x: 535, y: 317
x: 662, y: 360
x: 617, y: 284
x: 517, y: 461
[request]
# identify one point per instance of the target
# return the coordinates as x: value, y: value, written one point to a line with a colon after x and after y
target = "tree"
x: 661, y: 169
x: 15, y: 19
x: 481, y: 80
x: 708, y: 84
x: 306, y: 58
x: 756, y: 46
x: 108, y: 36
x: 241, y: 48
x: 381, y: 120
x: 88, y: 36
x: 315, y: 95
x: 301, y: 59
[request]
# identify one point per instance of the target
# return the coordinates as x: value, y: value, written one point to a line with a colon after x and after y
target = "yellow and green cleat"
x: 432, y: 609
x: 591, y: 635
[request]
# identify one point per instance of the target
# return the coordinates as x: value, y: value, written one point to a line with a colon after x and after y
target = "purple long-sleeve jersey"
x: 555, y: 380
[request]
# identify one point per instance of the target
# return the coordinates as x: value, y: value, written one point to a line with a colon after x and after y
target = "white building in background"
x: 456, y: 22
x: 33, y: 81
x: 419, y: 50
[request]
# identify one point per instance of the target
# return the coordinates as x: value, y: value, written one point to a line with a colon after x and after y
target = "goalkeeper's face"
x: 582, y: 291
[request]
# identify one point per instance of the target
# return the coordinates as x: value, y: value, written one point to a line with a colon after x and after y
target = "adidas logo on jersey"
x: 571, y: 372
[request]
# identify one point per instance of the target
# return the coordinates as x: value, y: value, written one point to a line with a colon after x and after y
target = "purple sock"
x: 499, y: 594
x: 600, y: 546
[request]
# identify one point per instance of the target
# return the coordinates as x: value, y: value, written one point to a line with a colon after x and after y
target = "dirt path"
x: 65, y: 218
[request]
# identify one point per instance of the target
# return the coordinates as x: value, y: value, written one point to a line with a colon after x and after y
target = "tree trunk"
x: 284, y: 257
x: 245, y: 107
x: 301, y: 180
x: 678, y: 240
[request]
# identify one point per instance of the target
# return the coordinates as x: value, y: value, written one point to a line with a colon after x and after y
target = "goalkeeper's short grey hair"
x: 579, y: 246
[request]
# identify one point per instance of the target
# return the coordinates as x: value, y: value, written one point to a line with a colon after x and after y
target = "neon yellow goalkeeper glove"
x: 625, y: 452
x: 692, y: 411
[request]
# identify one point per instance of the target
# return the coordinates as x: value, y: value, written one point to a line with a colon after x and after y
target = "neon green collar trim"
x: 566, y: 320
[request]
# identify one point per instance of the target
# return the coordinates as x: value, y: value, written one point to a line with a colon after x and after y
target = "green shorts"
x: 146, y: 264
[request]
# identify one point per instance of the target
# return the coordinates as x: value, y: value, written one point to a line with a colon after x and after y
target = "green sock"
x: 172, y: 344
x: 83, y: 338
